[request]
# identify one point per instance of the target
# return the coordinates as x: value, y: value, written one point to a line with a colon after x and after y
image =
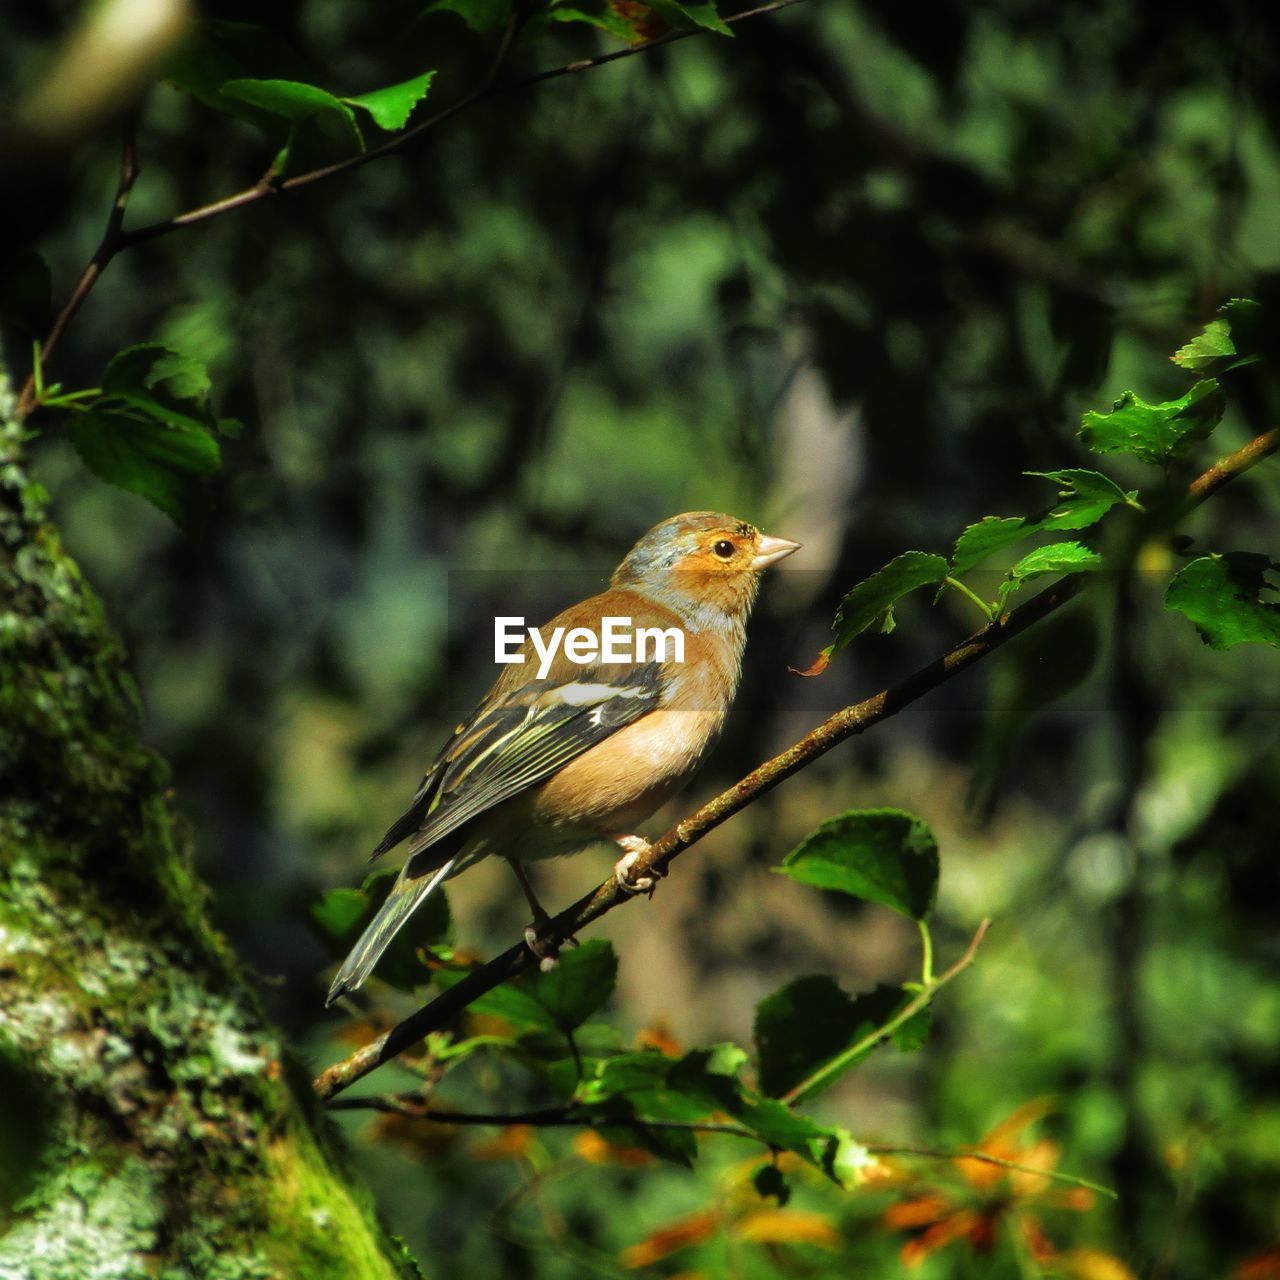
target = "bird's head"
x: 703, y: 565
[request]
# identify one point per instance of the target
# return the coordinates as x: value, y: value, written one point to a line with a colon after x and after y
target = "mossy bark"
x: 150, y: 1125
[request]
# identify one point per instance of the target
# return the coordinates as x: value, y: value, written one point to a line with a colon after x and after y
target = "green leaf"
x: 485, y: 17
x: 1224, y: 343
x: 812, y: 1020
x: 391, y: 107
x: 292, y: 100
x: 1157, y: 433
x: 871, y: 602
x: 155, y: 459
x: 690, y: 17
x: 1084, y: 497
x: 1057, y: 557
x: 989, y: 535
x: 1222, y: 595
x: 162, y: 383
x: 560, y: 1000
x: 880, y: 855
x: 605, y: 18
x: 834, y: 1151
x: 579, y: 984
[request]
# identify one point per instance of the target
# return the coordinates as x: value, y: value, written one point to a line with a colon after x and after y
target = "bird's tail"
x: 404, y: 899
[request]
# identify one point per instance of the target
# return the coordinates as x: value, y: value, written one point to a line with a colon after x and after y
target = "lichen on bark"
x: 150, y: 1124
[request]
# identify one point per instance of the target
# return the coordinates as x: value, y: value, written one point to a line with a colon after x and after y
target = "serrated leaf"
x: 1222, y: 595
x: 880, y: 855
x: 985, y: 538
x: 292, y: 100
x: 812, y: 1020
x: 1057, y: 557
x: 871, y: 602
x: 162, y: 383
x: 157, y: 460
x: 485, y: 17
x: 1084, y: 497
x: 1156, y: 433
x: 1218, y: 347
x: 391, y: 107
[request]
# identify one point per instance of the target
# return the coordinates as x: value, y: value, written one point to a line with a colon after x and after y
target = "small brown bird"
x: 556, y: 759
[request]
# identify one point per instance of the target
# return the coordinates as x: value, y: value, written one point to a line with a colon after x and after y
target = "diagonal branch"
x: 113, y: 240
x: 833, y: 731
x: 117, y: 239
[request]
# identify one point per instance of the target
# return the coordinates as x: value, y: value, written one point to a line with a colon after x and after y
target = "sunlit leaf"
x: 788, y: 1226
x: 1224, y: 343
x: 880, y: 855
x: 1222, y: 595
x: 1157, y: 433
x: 1057, y: 557
x: 870, y: 603
x: 391, y: 107
x: 292, y: 100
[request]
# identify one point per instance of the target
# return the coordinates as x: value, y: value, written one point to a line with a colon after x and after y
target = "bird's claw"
x: 636, y: 847
x: 547, y: 952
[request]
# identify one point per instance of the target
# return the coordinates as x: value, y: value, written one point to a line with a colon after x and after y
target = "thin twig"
x: 921, y: 1000
x: 833, y: 731
x: 116, y: 239
x: 487, y: 88
x: 413, y: 1106
x: 113, y: 241
x: 934, y: 1153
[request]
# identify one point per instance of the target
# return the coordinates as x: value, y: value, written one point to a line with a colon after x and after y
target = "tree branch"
x: 836, y: 729
x: 116, y: 239
x: 113, y: 241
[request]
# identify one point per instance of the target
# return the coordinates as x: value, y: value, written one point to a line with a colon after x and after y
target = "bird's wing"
x: 518, y: 737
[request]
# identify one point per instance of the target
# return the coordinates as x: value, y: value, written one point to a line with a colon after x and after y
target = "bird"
x: 560, y: 754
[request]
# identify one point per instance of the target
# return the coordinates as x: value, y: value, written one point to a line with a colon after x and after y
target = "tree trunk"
x: 151, y: 1124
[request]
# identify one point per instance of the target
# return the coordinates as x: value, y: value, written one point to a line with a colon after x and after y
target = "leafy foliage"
x: 151, y: 429
x: 1222, y: 595
x: 879, y: 855
x: 1158, y: 433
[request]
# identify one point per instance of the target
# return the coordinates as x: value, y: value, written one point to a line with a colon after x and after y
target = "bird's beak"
x: 769, y: 550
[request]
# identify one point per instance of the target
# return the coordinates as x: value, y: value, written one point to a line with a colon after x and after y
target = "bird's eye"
x: 724, y: 549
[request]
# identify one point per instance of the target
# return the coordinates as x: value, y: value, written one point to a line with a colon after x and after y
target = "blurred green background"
x: 848, y: 275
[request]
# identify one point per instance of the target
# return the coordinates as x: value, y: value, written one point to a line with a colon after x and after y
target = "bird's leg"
x: 635, y: 847
x: 548, y: 956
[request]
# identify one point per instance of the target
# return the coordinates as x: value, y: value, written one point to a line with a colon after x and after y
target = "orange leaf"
x: 1094, y: 1264
x: 816, y: 667
x: 786, y: 1226
x: 597, y: 1149
x: 695, y: 1229
x: 658, y: 1036
x: 916, y: 1213
x: 512, y: 1143
x: 1261, y: 1266
x: 956, y: 1227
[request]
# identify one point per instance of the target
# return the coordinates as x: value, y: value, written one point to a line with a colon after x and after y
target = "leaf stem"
x: 926, y: 947
x: 835, y: 1067
x: 988, y: 611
